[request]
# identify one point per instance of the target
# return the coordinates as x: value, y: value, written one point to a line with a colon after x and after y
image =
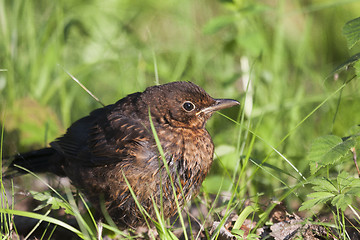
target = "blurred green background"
x: 287, y: 49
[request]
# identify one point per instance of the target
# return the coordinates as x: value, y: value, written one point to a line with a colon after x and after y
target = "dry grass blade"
x: 83, y: 87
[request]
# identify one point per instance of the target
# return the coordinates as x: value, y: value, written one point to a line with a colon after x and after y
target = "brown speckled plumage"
x: 98, y: 150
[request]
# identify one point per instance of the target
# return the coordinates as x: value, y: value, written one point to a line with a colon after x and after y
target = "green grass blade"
x: 162, y: 154
x: 43, y: 218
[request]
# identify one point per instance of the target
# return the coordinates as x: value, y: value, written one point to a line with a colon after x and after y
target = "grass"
x: 274, y: 56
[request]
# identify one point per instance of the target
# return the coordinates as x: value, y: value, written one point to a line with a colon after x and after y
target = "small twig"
x: 353, y: 150
x: 82, y: 86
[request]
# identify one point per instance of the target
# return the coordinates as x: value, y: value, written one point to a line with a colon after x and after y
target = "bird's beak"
x: 218, y: 105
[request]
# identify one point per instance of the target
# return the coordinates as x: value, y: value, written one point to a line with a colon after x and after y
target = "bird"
x: 143, y: 152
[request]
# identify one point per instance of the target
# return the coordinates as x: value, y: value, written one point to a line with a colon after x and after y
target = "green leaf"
x: 323, y: 185
x: 216, y: 24
x: 342, y: 201
x: 351, y: 31
x: 308, y: 204
x: 328, y: 150
x: 348, y: 184
x: 317, y: 198
x: 354, y: 191
x: 238, y: 232
x: 344, y: 180
x: 320, y: 195
x: 48, y: 200
x: 40, y: 196
x: 355, y: 183
x: 354, y: 130
x: 353, y: 60
x: 252, y: 236
x: 357, y: 68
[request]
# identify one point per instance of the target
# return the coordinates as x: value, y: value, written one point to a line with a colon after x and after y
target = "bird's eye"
x: 188, y: 106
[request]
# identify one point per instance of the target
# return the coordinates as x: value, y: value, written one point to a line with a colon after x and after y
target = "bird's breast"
x: 189, y: 154
x: 193, y: 146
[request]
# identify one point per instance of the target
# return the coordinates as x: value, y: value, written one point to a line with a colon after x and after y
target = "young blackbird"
x: 115, y: 142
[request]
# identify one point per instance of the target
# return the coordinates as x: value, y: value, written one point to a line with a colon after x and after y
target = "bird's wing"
x: 104, y: 138
x: 118, y: 139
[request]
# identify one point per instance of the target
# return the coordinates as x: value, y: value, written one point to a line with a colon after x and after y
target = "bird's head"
x: 182, y: 104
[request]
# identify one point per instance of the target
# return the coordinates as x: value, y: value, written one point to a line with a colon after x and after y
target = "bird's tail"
x: 38, y: 161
